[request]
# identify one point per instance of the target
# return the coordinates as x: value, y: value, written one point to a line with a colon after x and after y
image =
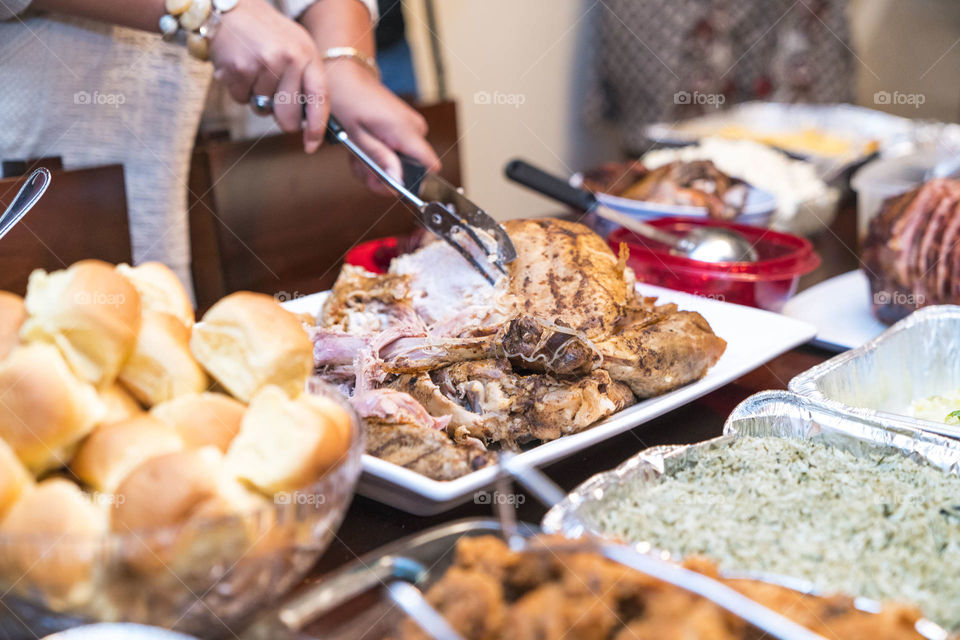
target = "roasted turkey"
x: 559, y: 343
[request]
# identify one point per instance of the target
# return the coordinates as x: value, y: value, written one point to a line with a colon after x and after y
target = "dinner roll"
x: 161, y: 366
x: 12, y: 315
x: 167, y: 502
x: 14, y: 477
x: 45, y: 410
x: 247, y: 341
x: 90, y: 312
x: 113, y: 450
x: 285, y: 444
x: 203, y: 419
x: 54, y: 531
x: 160, y: 290
x: 165, y: 490
x: 119, y: 404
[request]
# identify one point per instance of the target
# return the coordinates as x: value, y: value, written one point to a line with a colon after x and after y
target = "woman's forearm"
x: 138, y: 14
x: 340, y: 23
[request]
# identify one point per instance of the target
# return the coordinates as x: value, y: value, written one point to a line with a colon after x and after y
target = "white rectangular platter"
x: 840, y: 310
x: 754, y: 337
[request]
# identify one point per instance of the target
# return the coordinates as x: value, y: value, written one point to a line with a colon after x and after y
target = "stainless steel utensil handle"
x: 543, y: 182
x: 642, y: 228
x: 335, y: 131
x: 319, y: 600
x: 411, y: 601
x: 767, y: 620
x: 29, y: 194
x: 720, y: 594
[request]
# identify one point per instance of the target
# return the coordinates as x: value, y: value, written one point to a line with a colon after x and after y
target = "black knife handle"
x: 549, y: 185
x: 333, y: 129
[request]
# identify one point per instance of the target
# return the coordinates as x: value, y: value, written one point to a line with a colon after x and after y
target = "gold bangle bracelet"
x: 337, y: 53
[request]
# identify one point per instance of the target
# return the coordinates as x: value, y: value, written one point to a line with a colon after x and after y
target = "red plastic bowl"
x: 767, y: 283
x: 374, y: 255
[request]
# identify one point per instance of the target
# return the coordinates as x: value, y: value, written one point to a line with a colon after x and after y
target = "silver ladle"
x: 706, y: 244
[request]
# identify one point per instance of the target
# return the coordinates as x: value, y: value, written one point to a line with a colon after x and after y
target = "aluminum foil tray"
x: 916, y: 358
x: 767, y: 414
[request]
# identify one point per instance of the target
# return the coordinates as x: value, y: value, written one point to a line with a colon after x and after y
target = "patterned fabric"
x: 96, y: 94
x: 674, y: 59
x: 11, y: 8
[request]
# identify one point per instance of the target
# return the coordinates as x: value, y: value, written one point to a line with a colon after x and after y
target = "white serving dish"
x: 753, y: 337
x: 840, y: 310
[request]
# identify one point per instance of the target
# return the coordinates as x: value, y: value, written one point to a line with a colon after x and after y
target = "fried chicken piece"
x: 564, y: 591
x: 548, y: 613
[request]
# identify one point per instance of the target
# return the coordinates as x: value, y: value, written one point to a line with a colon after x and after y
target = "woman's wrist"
x: 351, y: 55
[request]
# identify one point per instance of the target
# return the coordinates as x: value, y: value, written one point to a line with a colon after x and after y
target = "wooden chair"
x: 82, y: 215
x: 266, y: 217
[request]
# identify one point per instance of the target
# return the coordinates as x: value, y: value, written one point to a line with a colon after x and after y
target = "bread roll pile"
x: 119, y: 412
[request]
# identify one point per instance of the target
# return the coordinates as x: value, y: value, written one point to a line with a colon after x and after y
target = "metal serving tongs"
x: 764, y: 619
x: 441, y: 208
x: 29, y: 194
x: 400, y: 577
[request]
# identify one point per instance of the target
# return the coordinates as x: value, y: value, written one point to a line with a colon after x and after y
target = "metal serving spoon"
x: 28, y: 196
x: 707, y: 244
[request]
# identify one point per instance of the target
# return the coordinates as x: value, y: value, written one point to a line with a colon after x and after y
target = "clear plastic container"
x: 766, y: 284
x: 885, y: 178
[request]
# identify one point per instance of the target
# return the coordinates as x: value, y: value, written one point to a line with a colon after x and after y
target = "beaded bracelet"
x: 194, y: 22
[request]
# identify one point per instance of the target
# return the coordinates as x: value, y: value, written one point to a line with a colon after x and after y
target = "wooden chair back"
x: 82, y: 215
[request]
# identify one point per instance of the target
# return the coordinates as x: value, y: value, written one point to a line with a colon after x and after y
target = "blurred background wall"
x: 519, y: 73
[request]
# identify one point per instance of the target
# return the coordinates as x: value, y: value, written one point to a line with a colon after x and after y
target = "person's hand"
x: 377, y: 120
x: 259, y: 51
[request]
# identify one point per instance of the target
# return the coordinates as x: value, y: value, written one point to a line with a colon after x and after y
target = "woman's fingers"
x: 288, y: 101
x: 381, y: 154
x: 239, y: 86
x: 406, y: 135
x: 315, y: 105
x: 267, y: 81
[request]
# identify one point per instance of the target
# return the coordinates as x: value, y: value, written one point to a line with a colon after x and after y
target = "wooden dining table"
x: 370, y: 524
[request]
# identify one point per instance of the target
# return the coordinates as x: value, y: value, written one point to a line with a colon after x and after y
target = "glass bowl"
x: 207, y: 578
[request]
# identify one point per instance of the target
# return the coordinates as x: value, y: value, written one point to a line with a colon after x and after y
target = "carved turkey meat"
x: 559, y: 343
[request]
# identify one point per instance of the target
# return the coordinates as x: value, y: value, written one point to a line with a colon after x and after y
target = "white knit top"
x: 97, y: 94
